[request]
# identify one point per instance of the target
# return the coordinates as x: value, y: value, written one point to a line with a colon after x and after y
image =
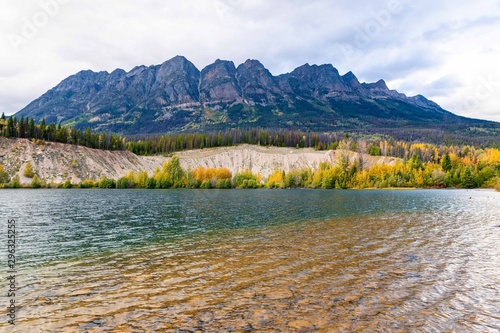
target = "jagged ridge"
x: 176, y: 96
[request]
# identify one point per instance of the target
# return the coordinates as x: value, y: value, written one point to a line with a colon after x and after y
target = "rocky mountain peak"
x: 256, y: 82
x: 351, y: 80
x: 316, y: 81
x: 176, y: 82
x: 177, y: 66
x: 253, y: 63
x: 218, y: 83
x: 379, y: 85
x: 137, y: 70
x: 175, y: 96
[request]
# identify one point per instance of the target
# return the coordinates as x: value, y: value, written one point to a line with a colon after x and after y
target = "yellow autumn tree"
x: 28, y: 171
x: 276, y: 179
x: 210, y: 178
x: 491, y: 156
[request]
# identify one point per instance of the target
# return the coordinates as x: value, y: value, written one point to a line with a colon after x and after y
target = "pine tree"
x: 9, y: 131
x: 35, y: 183
x: 15, y: 182
x: 31, y: 129
x: 468, y: 179
x: 416, y: 161
x: 446, y: 163
x: 43, y: 129
x: 22, y: 128
x: 175, y: 172
x: 15, y: 124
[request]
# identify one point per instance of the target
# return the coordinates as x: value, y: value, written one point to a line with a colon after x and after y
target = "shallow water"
x: 262, y: 261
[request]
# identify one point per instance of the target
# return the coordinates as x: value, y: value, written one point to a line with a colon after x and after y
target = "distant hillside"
x: 175, y: 97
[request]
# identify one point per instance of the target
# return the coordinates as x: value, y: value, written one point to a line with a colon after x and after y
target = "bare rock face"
x: 351, y: 81
x: 316, y: 81
x: 257, y: 83
x: 176, y: 96
x: 176, y: 82
x: 218, y: 83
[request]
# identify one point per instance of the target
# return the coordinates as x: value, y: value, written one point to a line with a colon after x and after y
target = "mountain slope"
x: 176, y: 96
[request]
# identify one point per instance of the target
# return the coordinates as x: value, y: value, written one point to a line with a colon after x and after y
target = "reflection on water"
x: 262, y: 261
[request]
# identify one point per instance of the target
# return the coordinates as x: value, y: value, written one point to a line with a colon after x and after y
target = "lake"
x: 253, y: 260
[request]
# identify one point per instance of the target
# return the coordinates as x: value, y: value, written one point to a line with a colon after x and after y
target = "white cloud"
x: 444, y: 50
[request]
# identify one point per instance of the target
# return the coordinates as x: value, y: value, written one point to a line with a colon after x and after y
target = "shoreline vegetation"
x: 417, y: 165
x: 452, y: 172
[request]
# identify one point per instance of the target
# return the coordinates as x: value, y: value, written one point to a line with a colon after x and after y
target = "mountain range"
x: 177, y: 97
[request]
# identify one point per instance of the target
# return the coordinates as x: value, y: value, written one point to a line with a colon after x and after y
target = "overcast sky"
x: 448, y: 51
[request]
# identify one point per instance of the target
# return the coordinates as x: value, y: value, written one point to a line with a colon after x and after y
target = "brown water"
x: 408, y: 268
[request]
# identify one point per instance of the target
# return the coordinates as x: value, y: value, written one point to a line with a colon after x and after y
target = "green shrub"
x: 15, y: 182
x: 206, y: 184
x: 124, y: 182
x: 151, y: 183
x: 28, y: 171
x: 35, y: 183
x: 223, y: 183
x: 245, y: 179
x: 107, y: 183
x: 374, y: 150
x: 4, y: 176
x: 87, y: 183
x: 163, y: 183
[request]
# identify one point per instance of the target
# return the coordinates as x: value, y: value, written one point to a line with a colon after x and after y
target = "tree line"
x: 12, y: 127
x: 26, y: 128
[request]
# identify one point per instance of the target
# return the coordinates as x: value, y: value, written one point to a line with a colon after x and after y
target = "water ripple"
x: 268, y: 261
